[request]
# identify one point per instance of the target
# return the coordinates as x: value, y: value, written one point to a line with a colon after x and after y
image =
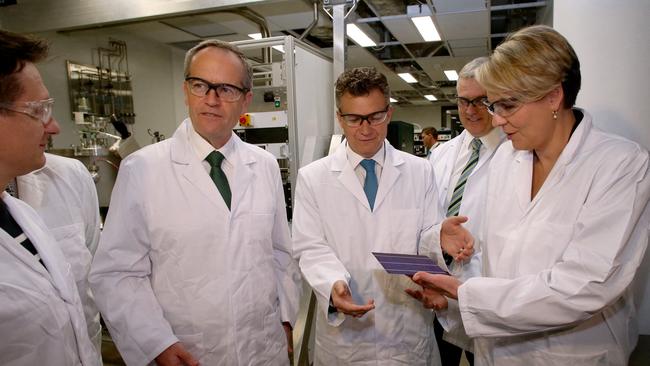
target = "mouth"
x: 210, y: 115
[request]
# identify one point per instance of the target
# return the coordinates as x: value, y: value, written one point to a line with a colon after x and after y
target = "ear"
x: 186, y: 94
x: 390, y: 114
x: 556, y: 98
x: 248, y: 98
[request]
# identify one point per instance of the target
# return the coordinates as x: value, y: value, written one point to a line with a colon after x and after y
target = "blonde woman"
x: 566, y: 222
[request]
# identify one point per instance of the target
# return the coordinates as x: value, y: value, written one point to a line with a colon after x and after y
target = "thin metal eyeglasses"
x: 478, y: 102
x: 374, y: 118
x: 225, y: 92
x: 503, y: 107
x: 39, y: 109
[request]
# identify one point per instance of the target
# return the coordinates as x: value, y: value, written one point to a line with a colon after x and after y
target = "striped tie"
x: 457, y: 196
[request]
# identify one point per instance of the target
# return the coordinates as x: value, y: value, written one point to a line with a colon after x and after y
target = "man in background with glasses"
x: 462, y: 184
x: 194, y: 265
x: 41, y: 315
x: 368, y: 197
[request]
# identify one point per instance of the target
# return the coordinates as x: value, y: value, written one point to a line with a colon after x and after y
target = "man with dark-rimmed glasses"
x: 41, y: 315
x: 194, y: 265
x: 368, y: 197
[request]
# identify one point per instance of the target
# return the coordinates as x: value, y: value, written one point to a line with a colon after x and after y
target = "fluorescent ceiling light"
x: 407, y: 77
x: 430, y: 97
x: 358, y: 36
x: 393, y: 100
x: 259, y: 36
x: 451, y: 75
x: 426, y: 28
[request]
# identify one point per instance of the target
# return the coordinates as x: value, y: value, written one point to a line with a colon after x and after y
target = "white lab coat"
x: 334, y: 233
x: 41, y: 316
x: 175, y: 264
x: 444, y: 159
x: 558, y: 268
x: 64, y: 196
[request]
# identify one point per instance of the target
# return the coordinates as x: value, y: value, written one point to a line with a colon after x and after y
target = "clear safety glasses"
x: 40, y: 110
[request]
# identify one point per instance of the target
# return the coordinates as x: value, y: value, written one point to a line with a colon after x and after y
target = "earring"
x: 554, y: 114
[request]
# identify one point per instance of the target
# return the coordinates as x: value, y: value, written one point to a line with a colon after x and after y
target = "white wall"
x: 612, y: 40
x: 425, y: 116
x: 152, y: 69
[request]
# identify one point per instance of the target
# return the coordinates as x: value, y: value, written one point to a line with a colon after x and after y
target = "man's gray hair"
x: 469, y: 70
x: 247, y: 82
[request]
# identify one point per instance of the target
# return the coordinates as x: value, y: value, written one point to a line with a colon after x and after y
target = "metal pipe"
x: 258, y: 19
x: 313, y: 22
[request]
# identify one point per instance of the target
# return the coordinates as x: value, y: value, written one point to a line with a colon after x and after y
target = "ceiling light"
x: 426, y: 28
x: 358, y: 36
x: 259, y: 36
x: 407, y: 77
x: 451, y: 75
x: 393, y: 100
x: 430, y: 97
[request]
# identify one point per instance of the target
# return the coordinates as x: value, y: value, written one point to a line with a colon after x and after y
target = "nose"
x: 498, y: 121
x: 52, y: 127
x: 364, y: 127
x: 212, y: 98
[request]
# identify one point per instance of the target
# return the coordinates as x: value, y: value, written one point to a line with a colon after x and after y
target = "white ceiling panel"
x: 454, y: 6
x: 465, y: 25
x: 403, y: 30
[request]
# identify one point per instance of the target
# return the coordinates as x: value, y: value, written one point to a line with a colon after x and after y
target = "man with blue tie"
x: 369, y: 197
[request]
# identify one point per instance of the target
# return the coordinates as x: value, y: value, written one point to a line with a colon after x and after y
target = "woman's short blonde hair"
x: 529, y: 64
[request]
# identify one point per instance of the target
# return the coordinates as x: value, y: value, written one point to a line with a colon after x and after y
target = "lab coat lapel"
x: 347, y: 177
x: 46, y: 247
x: 187, y: 164
x: 244, y: 173
x: 389, y: 174
x: 523, y: 175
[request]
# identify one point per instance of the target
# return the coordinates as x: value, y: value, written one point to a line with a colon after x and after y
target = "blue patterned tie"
x: 457, y: 196
x: 219, y: 178
x: 370, y: 183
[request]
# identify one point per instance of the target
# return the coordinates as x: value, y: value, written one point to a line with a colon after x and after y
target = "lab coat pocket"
x: 71, y: 241
x: 403, y: 226
x: 548, y: 358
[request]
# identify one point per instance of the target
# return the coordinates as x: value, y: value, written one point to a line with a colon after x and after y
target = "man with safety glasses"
x: 461, y: 166
x: 369, y: 197
x: 41, y: 315
x: 194, y: 265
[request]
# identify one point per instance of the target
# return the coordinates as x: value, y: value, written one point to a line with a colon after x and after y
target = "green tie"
x: 219, y: 178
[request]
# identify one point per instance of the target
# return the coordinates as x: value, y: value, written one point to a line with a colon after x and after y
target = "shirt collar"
x: 355, y: 158
x: 490, y: 141
x: 202, y: 148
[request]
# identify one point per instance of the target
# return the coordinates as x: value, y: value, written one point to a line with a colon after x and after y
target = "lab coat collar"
x: 183, y: 154
x: 390, y: 173
x: 44, y: 244
x: 524, y: 167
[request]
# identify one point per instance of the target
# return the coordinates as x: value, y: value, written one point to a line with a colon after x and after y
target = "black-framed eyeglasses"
x: 503, y: 107
x: 374, y: 118
x: 225, y: 92
x: 477, y: 102
x: 39, y: 109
